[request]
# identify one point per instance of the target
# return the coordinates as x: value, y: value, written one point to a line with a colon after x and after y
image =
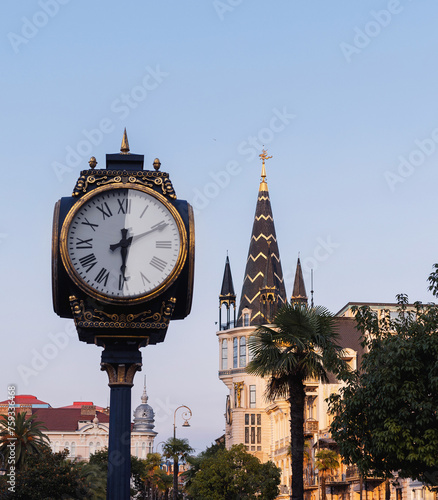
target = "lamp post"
x: 186, y: 416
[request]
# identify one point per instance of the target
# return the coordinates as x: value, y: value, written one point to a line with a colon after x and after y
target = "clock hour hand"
x: 157, y: 227
x: 124, y: 244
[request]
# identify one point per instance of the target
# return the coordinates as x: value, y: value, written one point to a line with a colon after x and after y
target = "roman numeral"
x: 122, y: 282
x: 163, y: 244
x: 86, y: 223
x: 88, y: 261
x: 81, y: 244
x: 124, y: 206
x: 158, y: 263
x: 103, y: 275
x: 105, y: 209
x: 143, y: 277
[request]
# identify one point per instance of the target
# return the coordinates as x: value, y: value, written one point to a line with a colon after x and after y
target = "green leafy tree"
x: 386, y: 418
x: 163, y: 481
x: 51, y: 476
x: 138, y: 471
x: 176, y: 449
x: 302, y: 343
x: 27, y: 436
x: 234, y: 474
x: 326, y: 461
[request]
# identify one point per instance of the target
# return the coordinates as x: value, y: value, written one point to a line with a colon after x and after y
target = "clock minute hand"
x: 158, y: 227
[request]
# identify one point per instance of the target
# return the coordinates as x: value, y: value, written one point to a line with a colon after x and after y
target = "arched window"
x: 91, y: 448
x: 98, y: 446
x: 67, y: 446
x: 246, y: 319
x: 235, y: 353
x: 150, y: 447
x: 136, y: 450
x: 73, y: 449
x: 242, y: 352
x: 143, y: 450
x: 224, y: 354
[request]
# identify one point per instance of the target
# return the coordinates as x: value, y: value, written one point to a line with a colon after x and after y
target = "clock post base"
x: 121, y: 360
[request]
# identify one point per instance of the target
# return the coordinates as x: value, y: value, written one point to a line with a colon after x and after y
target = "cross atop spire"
x: 264, y: 156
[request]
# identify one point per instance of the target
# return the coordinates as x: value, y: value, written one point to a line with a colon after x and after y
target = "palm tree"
x: 326, y: 461
x: 176, y: 448
x: 301, y: 343
x: 23, y: 436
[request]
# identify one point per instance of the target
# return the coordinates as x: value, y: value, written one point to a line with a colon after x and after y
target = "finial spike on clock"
x: 124, y: 148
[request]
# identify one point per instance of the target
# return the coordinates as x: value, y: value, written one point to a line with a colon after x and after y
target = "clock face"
x: 123, y: 243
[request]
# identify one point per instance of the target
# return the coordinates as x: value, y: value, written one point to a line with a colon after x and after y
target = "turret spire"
x: 299, y: 295
x: 227, y: 297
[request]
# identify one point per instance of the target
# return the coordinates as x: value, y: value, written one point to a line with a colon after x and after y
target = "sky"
x: 342, y: 94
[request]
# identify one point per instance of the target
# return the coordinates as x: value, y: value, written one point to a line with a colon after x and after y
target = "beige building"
x: 261, y: 425
x: 83, y: 427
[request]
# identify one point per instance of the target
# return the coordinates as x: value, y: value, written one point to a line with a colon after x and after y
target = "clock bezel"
x: 74, y: 276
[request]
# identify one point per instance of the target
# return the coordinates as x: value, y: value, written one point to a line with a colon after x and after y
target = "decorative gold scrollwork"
x: 87, y: 317
x: 144, y: 178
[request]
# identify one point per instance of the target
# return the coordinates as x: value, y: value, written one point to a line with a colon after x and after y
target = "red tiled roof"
x: 65, y: 419
x: 79, y: 404
x: 26, y: 399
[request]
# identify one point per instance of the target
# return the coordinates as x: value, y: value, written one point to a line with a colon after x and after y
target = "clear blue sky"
x: 343, y: 96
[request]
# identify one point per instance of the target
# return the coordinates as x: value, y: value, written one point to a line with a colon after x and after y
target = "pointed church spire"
x: 263, y: 265
x: 227, y: 297
x: 299, y: 295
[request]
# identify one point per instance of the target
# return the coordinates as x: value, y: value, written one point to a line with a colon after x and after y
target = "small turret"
x: 227, y: 297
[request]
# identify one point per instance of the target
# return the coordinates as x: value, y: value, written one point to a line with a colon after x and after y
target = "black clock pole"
x: 121, y: 359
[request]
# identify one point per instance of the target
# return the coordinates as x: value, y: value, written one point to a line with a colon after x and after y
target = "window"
x: 91, y: 448
x: 253, y: 430
x: 242, y: 352
x: 224, y: 354
x: 67, y: 446
x: 143, y: 450
x: 252, y: 396
x: 235, y: 352
x: 246, y: 319
x: 250, y: 356
x: 73, y: 449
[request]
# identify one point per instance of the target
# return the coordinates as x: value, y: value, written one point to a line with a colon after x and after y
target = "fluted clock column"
x: 121, y: 360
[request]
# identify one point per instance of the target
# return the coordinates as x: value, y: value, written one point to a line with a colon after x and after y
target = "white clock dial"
x: 123, y: 243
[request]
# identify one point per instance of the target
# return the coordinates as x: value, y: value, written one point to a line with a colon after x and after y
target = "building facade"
x: 83, y: 428
x: 264, y: 426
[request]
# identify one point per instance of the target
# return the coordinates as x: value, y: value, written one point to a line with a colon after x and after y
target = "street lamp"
x: 186, y: 416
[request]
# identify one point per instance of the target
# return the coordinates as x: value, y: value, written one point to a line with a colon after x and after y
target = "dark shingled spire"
x: 227, y: 281
x: 257, y: 264
x: 299, y: 295
x: 227, y: 297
